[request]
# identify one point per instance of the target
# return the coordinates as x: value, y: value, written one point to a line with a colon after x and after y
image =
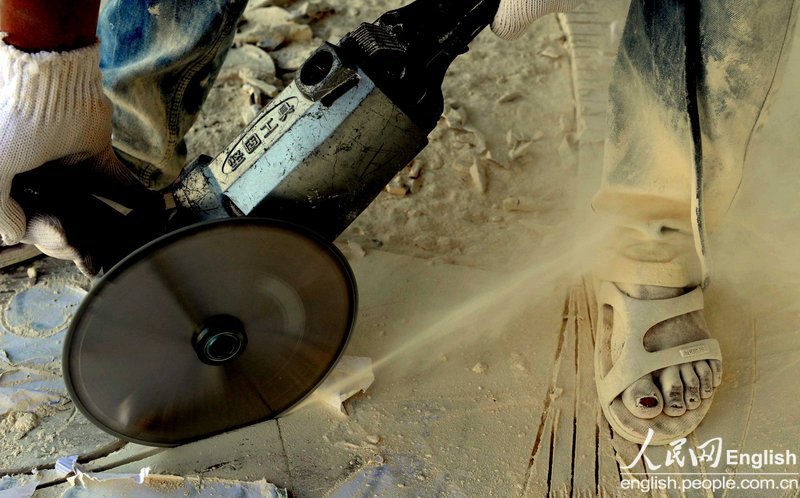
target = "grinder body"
x: 317, y: 156
x: 356, y: 114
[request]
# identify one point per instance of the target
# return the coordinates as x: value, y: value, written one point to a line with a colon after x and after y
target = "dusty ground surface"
x: 472, y: 306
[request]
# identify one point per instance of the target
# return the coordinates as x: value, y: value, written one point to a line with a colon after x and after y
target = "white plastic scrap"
x: 146, y: 485
x: 12, y: 487
x: 69, y: 465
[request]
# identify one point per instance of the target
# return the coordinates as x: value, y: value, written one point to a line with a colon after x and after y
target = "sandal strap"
x: 637, y: 317
x: 635, y: 367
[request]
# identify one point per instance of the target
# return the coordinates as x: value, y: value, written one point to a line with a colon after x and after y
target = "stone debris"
x: 271, y: 27
x: 438, y: 132
x: 314, y: 10
x: 556, y: 392
x: 356, y: 249
x: 415, y: 169
x: 396, y: 187
x: 247, y: 62
x: 476, y: 138
x: 520, y: 204
x: 414, y: 185
x: 352, y: 375
x: 260, y: 4
x: 478, y: 175
x: 291, y: 57
x: 568, y: 152
x: 19, y: 423
x: 511, y: 140
x: 349, y: 446
x: 553, y: 52
x: 518, y: 145
x: 268, y: 91
x: 509, y: 97
x: 408, y: 180
x: 255, y: 70
x: 253, y: 106
x: 519, y: 151
x: 480, y: 368
x: 514, y: 139
x: 491, y: 161
x: 455, y: 115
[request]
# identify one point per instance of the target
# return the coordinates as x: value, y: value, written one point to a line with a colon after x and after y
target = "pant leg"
x: 656, y: 191
x: 159, y: 60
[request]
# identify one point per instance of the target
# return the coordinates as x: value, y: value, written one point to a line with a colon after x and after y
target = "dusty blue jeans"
x: 691, y: 85
x: 159, y: 60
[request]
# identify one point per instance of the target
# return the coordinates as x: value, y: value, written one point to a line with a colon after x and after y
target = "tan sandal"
x: 637, y: 317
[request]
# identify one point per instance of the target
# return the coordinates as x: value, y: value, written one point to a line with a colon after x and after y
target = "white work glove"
x: 514, y: 16
x: 53, y: 110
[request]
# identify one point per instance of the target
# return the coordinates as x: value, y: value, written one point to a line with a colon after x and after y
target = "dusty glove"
x: 514, y: 16
x: 53, y: 110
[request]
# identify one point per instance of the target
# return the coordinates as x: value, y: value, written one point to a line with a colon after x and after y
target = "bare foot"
x: 674, y: 389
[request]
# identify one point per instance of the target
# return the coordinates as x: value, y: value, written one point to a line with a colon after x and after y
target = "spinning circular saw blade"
x: 210, y: 328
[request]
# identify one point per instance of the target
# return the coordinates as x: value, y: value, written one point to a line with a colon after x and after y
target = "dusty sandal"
x: 636, y: 317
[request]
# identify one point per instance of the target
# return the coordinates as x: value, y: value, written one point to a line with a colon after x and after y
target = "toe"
x: 642, y: 398
x: 716, y: 370
x: 691, y: 386
x: 672, y: 390
x: 706, y: 378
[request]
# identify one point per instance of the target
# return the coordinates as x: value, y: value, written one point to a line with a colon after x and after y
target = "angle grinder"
x: 245, y: 305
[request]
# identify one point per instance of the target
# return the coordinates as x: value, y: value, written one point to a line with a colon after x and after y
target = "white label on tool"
x: 259, y: 136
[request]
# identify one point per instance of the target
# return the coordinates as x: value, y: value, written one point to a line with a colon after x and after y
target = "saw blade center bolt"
x: 220, y: 340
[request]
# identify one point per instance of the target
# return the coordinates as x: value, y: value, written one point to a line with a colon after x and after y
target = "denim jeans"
x: 159, y: 60
x: 691, y: 85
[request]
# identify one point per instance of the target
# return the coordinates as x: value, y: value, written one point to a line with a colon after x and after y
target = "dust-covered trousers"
x: 159, y: 60
x: 692, y: 84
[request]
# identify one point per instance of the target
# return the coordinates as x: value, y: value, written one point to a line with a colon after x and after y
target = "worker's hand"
x: 514, y: 16
x: 53, y: 111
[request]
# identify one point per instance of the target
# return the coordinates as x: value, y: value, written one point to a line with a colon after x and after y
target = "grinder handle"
x: 103, y: 235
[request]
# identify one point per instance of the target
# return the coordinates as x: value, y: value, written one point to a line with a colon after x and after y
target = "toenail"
x: 692, y: 400
x: 676, y: 406
x: 648, y: 402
